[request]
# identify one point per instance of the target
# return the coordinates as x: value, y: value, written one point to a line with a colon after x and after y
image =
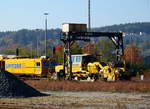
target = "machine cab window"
x: 37, y: 63
x: 89, y: 58
x: 76, y: 59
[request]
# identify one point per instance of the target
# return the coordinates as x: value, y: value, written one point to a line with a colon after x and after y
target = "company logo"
x: 13, y: 65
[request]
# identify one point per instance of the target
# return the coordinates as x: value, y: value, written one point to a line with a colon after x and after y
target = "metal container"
x: 72, y: 27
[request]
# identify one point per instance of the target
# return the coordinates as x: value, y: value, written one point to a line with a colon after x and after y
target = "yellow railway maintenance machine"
x: 26, y: 66
x: 75, y: 32
x: 84, y: 67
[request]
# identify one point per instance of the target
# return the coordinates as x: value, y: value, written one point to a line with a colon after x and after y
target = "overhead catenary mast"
x: 46, y: 14
x: 89, y: 15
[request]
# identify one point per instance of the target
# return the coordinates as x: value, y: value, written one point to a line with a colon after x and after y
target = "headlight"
x: 116, y: 71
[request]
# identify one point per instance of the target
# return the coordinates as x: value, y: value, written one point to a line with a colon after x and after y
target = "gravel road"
x: 107, y: 99
x: 82, y: 100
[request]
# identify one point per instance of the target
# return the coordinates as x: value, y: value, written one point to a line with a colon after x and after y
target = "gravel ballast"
x: 11, y: 87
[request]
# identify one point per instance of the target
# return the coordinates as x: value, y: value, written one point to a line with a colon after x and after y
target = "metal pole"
x: 46, y: 33
x: 89, y: 15
x: 37, y: 48
x: 31, y: 49
x: 131, y: 41
x: 70, y: 60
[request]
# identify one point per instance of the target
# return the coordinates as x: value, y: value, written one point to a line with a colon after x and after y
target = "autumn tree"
x: 59, y: 54
x: 133, y: 58
x: 58, y: 48
x: 89, y: 48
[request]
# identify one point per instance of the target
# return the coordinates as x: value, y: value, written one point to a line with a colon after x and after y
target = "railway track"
x: 30, y: 77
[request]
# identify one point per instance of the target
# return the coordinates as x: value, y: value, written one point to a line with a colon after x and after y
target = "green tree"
x: 76, y: 49
x: 105, y: 49
x: 9, y: 51
x: 25, y: 52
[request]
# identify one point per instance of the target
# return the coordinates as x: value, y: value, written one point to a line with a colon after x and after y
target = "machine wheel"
x: 96, y: 77
x: 61, y: 75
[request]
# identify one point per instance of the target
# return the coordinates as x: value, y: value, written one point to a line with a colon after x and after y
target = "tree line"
x: 31, y: 42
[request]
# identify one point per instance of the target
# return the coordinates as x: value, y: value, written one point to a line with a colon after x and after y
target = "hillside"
x: 136, y: 32
x: 129, y: 28
x: 25, y: 38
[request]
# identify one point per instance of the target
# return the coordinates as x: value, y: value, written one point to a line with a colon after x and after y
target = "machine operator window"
x: 73, y: 59
x: 78, y: 59
x: 37, y: 63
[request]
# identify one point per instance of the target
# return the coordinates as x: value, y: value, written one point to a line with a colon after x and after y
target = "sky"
x: 29, y: 14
